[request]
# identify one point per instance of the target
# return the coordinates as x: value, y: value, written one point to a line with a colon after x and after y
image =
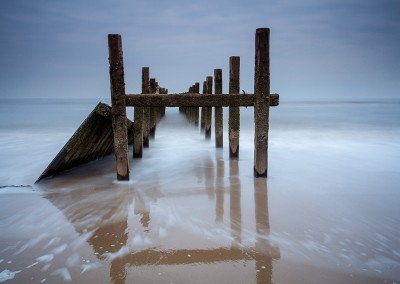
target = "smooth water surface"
x: 328, y: 212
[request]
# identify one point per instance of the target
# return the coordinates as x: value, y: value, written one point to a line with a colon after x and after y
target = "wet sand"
x: 190, y: 215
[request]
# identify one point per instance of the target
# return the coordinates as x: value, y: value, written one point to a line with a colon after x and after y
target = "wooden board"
x: 91, y: 141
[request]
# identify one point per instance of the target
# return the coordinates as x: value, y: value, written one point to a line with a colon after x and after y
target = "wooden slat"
x: 96, y: 131
x: 195, y: 100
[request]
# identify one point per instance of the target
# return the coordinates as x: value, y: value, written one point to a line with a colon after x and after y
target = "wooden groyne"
x: 91, y: 141
x: 190, y: 102
x: 108, y: 129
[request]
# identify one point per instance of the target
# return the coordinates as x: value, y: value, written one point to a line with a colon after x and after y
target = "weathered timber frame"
x: 151, y: 100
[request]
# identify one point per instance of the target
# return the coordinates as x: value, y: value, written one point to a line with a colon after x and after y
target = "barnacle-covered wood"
x: 91, y: 141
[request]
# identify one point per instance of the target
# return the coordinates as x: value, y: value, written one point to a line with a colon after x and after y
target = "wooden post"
x: 196, y: 109
x: 138, y: 128
x: 261, y: 102
x: 153, y: 88
x: 118, y: 110
x: 208, y: 110
x: 234, y: 112
x: 219, y: 128
x: 146, y: 111
x: 202, y: 119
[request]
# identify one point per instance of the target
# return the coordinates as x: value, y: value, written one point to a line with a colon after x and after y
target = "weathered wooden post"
x: 118, y: 110
x: 146, y: 111
x: 234, y: 112
x: 196, y: 109
x: 153, y: 89
x: 208, y: 110
x: 139, y: 123
x: 219, y: 128
x: 203, y: 119
x: 261, y: 102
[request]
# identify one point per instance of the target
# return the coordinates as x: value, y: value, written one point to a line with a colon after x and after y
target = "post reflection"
x: 104, y: 212
x: 220, y: 188
x: 235, y: 202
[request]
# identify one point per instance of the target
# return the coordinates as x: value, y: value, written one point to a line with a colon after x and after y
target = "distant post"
x: 234, y: 112
x: 146, y: 111
x: 202, y: 119
x: 219, y: 128
x: 208, y: 110
x: 196, y: 109
x: 118, y: 110
x: 261, y: 102
x: 138, y: 126
x: 153, y: 114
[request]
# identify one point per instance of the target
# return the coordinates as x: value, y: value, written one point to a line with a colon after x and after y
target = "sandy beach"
x: 328, y: 212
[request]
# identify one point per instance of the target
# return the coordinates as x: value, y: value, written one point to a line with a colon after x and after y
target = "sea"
x: 328, y: 212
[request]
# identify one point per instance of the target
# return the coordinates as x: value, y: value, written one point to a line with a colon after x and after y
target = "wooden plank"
x: 194, y: 100
x: 95, y: 131
x: 261, y: 102
x: 118, y: 106
x: 218, y: 116
x: 234, y: 111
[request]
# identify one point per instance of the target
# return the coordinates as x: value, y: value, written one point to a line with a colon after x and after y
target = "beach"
x: 327, y: 213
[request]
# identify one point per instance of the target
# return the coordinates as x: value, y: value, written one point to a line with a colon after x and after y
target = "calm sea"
x: 331, y: 201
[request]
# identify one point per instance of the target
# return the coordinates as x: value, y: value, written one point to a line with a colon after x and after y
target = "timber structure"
x: 154, y: 103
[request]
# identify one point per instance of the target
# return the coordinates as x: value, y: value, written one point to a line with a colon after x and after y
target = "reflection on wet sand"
x: 104, y: 215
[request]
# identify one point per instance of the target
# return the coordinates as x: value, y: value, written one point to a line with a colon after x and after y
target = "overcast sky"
x: 319, y: 48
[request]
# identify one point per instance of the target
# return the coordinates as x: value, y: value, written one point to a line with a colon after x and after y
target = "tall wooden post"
x: 146, y: 111
x: 138, y: 120
x: 219, y: 128
x: 118, y: 110
x: 153, y: 121
x: 234, y: 112
x: 196, y: 109
x: 203, y: 119
x: 261, y: 102
x: 208, y: 110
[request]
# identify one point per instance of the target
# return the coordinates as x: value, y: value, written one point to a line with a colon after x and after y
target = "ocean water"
x: 327, y: 213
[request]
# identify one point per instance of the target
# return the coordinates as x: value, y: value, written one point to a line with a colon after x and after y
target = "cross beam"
x: 195, y: 100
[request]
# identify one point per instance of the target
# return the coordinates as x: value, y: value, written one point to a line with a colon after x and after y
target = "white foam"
x: 59, y: 249
x: 114, y: 255
x: 63, y: 273
x: 45, y: 258
x: 73, y: 260
x: 90, y: 266
x: 33, y: 264
x: 7, y: 275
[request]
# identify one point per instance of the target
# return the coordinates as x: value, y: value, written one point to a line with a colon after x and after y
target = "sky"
x: 319, y: 48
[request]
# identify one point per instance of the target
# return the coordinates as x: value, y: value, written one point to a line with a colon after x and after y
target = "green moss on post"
x: 118, y: 110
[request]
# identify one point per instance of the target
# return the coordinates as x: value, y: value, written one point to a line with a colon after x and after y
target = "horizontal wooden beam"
x: 195, y: 100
